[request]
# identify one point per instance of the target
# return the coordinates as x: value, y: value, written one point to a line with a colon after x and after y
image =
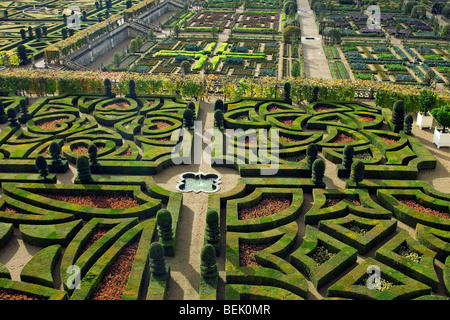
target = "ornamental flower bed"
x: 247, y: 253
x: 113, y: 283
x: 417, y: 206
x: 6, y: 294
x: 96, y: 201
x: 50, y: 125
x: 266, y: 207
x: 342, y: 138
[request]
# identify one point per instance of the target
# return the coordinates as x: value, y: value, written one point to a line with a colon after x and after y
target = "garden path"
x: 185, y: 266
x: 316, y: 65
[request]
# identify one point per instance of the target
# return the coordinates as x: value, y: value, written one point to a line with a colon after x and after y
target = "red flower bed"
x: 342, y: 138
x: 333, y: 201
x: 417, y: 206
x: 266, y: 207
x: 82, y: 150
x: 287, y: 122
x: 121, y: 105
x: 389, y: 141
x: 97, y: 201
x: 112, y: 285
x: 50, y: 125
x: 274, y: 108
x: 367, y: 119
x: 127, y: 152
x: 247, y: 253
x: 289, y: 139
x: 98, y: 233
x: 322, y: 108
x: 6, y: 294
x: 161, y: 125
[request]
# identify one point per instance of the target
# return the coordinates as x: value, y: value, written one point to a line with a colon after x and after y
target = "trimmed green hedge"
x: 51, y: 234
x: 39, y: 269
x: 33, y: 290
x: 343, y: 257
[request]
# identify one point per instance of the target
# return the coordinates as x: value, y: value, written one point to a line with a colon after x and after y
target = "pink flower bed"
x: 367, y: 119
x: 287, y: 122
x: 120, y: 105
x: 113, y: 283
x: 322, y: 108
x: 333, y: 201
x: 389, y: 141
x: 417, y: 206
x: 273, y: 108
x: 161, y: 125
x: 289, y: 139
x: 6, y: 294
x: 50, y: 125
x: 266, y: 207
x: 82, y: 150
x: 342, y: 138
x: 97, y: 201
x: 247, y: 253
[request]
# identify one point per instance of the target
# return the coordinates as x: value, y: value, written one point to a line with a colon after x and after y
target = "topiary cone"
x: 164, y: 222
x: 357, y: 171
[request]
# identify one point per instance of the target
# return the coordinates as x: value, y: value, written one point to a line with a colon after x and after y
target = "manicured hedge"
x: 39, y: 269
x: 343, y: 257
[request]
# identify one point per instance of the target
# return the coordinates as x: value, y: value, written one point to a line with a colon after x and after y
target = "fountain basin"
x: 199, y: 182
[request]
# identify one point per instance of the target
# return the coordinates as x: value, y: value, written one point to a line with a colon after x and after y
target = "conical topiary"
x: 287, y: 92
x: 55, y: 153
x: 311, y: 154
x: 23, y: 111
x: 212, y: 231
x: 12, y: 117
x: 132, y: 89
x: 93, y: 154
x: 357, y: 171
x: 407, y: 125
x: 157, y: 260
x: 208, y: 267
x: 318, y: 173
x: 398, y: 113
x: 3, y: 117
x: 84, y: 169
x: 41, y: 166
x: 347, y: 156
x: 164, y: 223
x: 218, y: 105
x: 188, y: 118
x: 218, y: 118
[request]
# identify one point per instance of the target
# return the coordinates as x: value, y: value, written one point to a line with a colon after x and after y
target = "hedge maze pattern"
x: 283, y: 233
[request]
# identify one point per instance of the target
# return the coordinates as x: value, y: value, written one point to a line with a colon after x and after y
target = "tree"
x: 84, y: 169
x: 11, y: 113
x: 315, y: 94
x: 3, y: 117
x: 150, y: 34
x: 129, y: 4
x: 419, y: 12
x: 64, y: 33
x: 398, y: 113
x: 158, y: 266
x: 407, y: 125
x: 108, y: 88
x: 291, y: 33
x: 176, y: 30
x: 22, y: 54
x: 311, y: 154
x: 38, y: 32
x: 428, y: 100
x: 185, y: 67
x: 208, y: 266
x: 132, y: 89
x: 318, y: 173
x: 188, y: 118
x: 295, y: 69
x: 218, y: 118
x: 24, y: 111
x: 93, y: 154
x: 117, y: 59
x: 218, y: 105
x: 23, y: 34
x: 442, y: 116
x: 134, y: 46
x: 214, y: 31
x: 287, y: 93
x: 347, y: 156
x: 357, y: 171
x: 212, y: 230
x: 191, y: 105
x: 164, y: 223
x: 55, y: 153
x: 30, y: 32
x: 41, y: 166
